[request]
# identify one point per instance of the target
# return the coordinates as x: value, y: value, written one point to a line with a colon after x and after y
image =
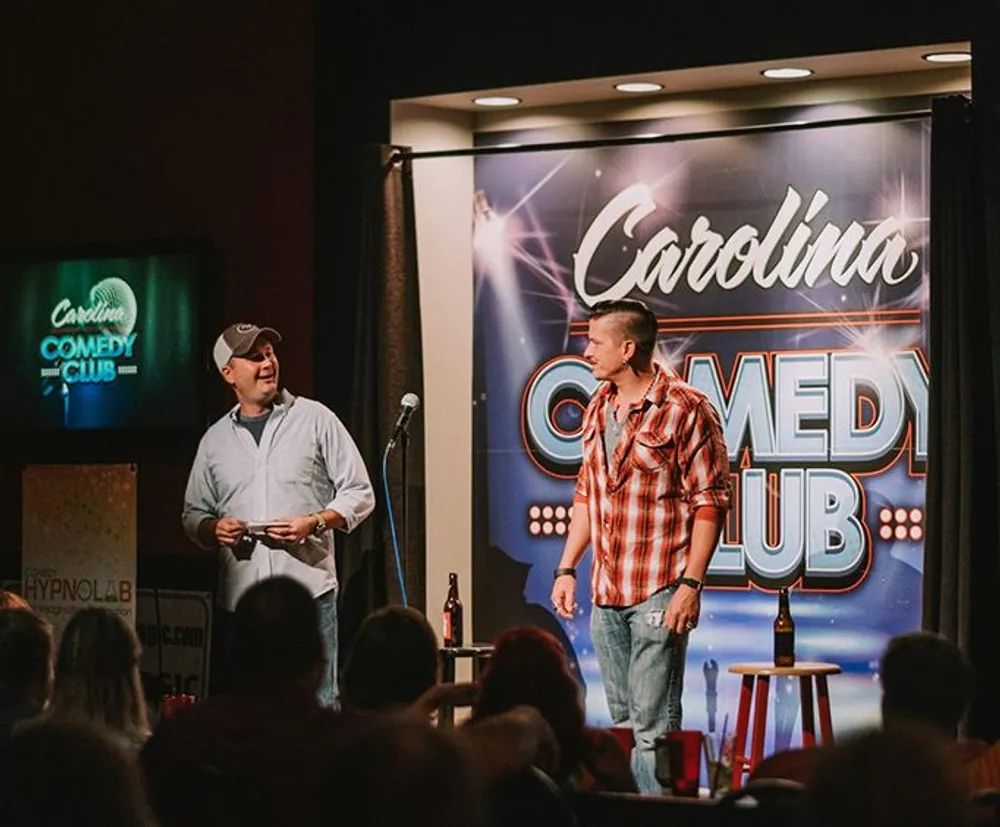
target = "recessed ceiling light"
x: 496, y: 100
x: 639, y: 86
x: 786, y: 73
x: 948, y: 57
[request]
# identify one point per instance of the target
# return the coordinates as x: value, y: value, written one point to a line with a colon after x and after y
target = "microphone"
x: 711, y: 670
x: 409, y: 404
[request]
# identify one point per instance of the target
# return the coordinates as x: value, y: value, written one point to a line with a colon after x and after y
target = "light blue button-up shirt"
x: 306, y: 462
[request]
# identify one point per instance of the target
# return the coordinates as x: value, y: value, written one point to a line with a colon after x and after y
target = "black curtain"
x: 387, y: 364
x: 962, y: 561
x: 986, y: 108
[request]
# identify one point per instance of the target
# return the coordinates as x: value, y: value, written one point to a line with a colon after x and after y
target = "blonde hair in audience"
x: 97, y: 674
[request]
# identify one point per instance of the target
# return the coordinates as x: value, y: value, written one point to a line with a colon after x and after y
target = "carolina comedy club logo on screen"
x: 93, y: 342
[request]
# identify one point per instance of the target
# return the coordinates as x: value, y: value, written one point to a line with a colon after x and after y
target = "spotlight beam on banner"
x: 401, y: 155
x: 545, y: 179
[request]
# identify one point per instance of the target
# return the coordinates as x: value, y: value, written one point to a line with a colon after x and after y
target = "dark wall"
x: 161, y: 120
x: 474, y: 44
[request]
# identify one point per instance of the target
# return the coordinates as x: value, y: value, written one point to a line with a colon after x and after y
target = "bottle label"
x: 784, y: 648
x: 447, y: 628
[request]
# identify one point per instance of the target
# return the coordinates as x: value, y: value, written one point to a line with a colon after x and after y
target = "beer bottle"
x: 784, y: 633
x: 453, y: 613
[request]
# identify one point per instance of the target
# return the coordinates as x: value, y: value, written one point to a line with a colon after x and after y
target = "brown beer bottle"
x: 453, y: 613
x: 784, y: 633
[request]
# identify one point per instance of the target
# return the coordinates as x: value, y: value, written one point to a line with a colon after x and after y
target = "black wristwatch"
x: 560, y: 572
x: 697, y: 585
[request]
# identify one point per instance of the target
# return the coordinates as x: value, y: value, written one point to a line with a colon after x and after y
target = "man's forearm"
x: 578, y: 538
x: 348, y: 509
x: 333, y: 519
x: 509, y: 742
x: 704, y: 539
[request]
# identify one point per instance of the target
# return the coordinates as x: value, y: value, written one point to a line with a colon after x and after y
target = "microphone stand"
x: 404, y: 446
x: 401, y: 440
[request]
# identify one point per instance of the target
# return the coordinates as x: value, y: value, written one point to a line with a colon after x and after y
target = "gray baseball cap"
x: 238, y: 339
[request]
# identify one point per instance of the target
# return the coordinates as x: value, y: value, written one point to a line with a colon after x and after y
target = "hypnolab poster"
x: 78, y: 540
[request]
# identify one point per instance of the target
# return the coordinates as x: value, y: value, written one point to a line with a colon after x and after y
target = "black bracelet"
x: 560, y: 572
x: 697, y: 585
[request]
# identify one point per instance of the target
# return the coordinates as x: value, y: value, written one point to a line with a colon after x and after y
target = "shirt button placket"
x: 609, y: 559
x: 260, y: 472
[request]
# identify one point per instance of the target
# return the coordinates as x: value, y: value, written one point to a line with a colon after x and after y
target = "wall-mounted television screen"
x: 104, y: 341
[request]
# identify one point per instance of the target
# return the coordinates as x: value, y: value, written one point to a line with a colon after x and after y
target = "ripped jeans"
x: 642, y: 665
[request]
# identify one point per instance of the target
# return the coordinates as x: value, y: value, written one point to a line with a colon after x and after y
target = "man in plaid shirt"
x: 651, y: 498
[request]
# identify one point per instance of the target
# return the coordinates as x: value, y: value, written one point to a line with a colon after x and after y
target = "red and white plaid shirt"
x: 671, y: 460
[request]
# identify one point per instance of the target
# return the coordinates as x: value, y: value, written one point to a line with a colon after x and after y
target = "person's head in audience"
x: 897, y: 778
x: 927, y: 680
x: 529, y: 666
x: 391, y: 769
x: 276, y: 641
x: 97, y: 675
x: 25, y: 658
x: 72, y: 773
x: 10, y: 600
x: 394, y: 660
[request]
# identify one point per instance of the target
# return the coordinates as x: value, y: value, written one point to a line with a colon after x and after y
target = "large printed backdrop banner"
x: 79, y: 535
x: 789, y: 273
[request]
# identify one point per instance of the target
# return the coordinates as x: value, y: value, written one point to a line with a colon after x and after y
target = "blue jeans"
x: 643, y: 670
x: 327, y: 605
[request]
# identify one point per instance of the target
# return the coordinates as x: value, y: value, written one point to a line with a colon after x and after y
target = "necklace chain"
x: 614, y: 408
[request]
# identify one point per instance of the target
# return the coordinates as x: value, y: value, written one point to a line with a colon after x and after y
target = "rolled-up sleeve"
x: 704, y: 459
x: 353, y: 496
x: 200, y: 498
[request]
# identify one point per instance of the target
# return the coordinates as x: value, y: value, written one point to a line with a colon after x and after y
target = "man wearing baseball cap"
x: 270, y: 481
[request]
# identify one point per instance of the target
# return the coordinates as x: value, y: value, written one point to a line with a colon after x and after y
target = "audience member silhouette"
x: 529, y: 667
x: 392, y: 663
x: 25, y: 668
x: 395, y: 769
x: 901, y: 777
x: 97, y: 676
x: 72, y: 773
x: 394, y: 666
x: 926, y: 682
x: 259, y: 748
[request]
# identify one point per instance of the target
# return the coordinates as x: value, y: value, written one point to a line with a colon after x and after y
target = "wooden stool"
x: 479, y: 653
x: 761, y: 673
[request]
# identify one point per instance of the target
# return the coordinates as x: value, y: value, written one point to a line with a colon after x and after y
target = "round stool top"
x: 801, y: 669
x: 471, y: 651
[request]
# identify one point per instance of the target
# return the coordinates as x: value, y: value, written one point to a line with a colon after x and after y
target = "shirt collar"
x: 282, y: 402
x: 662, y: 379
x: 656, y: 394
